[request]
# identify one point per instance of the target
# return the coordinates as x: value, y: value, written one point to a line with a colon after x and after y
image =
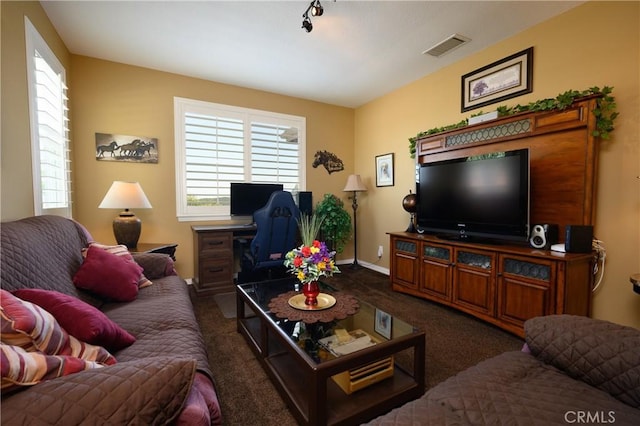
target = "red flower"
x: 306, y: 251
x: 297, y: 262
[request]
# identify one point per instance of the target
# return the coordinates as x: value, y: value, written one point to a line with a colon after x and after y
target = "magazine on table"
x: 346, y: 343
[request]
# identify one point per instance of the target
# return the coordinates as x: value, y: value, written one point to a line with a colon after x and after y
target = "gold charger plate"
x: 325, y: 301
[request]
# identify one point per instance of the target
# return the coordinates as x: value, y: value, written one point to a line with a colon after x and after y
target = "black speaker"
x: 543, y: 236
x: 305, y: 202
x: 578, y: 239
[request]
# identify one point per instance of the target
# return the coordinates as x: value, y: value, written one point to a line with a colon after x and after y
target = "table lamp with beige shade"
x: 126, y: 195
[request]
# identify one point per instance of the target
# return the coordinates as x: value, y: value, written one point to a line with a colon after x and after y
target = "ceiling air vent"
x: 447, y: 45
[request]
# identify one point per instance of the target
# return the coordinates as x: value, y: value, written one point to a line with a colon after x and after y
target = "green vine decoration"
x: 605, y: 112
x: 412, y: 141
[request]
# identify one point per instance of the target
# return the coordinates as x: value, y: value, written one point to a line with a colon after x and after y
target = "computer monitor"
x: 246, y: 198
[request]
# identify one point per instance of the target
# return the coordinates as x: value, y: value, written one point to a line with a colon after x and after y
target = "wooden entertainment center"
x: 506, y: 284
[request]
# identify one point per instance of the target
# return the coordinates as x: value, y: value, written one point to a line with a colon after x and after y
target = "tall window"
x: 219, y: 144
x: 48, y: 112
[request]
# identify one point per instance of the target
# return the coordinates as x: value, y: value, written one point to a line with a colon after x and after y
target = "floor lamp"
x: 355, y: 185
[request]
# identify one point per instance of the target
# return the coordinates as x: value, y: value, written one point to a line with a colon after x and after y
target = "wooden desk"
x: 213, y: 256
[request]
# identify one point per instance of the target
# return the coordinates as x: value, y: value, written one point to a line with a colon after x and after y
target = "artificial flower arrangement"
x: 312, y: 259
x: 310, y: 262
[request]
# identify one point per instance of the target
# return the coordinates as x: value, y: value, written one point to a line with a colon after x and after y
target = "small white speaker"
x: 543, y: 236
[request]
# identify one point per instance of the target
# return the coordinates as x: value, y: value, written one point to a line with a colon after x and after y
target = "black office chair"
x: 276, y: 234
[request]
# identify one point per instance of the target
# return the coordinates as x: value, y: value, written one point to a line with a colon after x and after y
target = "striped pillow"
x: 22, y: 368
x: 120, y: 250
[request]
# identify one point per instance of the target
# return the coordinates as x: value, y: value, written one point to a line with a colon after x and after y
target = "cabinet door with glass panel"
x: 474, y: 280
x: 436, y: 271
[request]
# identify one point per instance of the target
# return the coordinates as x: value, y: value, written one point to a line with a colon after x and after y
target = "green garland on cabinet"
x: 605, y: 112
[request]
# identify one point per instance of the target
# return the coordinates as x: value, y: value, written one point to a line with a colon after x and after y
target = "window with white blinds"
x: 220, y: 144
x: 51, y: 167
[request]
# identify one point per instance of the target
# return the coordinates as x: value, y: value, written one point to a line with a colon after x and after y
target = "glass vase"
x: 311, y: 292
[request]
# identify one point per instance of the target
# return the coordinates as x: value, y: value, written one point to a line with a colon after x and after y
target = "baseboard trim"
x: 367, y: 265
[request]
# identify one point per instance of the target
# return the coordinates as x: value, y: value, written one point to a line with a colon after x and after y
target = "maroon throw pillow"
x: 32, y: 329
x: 79, y: 319
x: 109, y: 276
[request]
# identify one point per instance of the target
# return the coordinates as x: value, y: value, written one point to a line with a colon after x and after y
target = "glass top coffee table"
x: 340, y: 371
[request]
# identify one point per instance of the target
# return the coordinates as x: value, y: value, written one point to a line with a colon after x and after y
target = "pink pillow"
x: 81, y: 320
x: 108, y: 275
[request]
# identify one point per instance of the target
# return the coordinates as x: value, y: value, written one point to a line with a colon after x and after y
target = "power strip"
x: 598, y: 265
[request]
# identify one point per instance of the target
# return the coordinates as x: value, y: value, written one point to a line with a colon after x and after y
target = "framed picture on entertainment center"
x: 504, y: 79
x: 384, y: 170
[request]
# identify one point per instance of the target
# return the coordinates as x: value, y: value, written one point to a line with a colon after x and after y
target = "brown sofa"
x: 573, y: 370
x: 162, y: 378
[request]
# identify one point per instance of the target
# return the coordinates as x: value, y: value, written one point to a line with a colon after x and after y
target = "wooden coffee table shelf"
x: 305, y: 384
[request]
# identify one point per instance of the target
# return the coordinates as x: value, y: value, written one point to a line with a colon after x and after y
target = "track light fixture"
x: 306, y: 24
x: 316, y: 9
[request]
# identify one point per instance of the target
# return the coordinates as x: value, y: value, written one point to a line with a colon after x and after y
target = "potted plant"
x: 336, y: 222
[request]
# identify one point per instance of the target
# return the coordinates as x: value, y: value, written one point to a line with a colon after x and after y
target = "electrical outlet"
x: 380, y: 251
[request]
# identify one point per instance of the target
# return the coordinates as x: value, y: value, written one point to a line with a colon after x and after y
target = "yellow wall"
x: 596, y: 44
x: 116, y: 98
x: 109, y: 97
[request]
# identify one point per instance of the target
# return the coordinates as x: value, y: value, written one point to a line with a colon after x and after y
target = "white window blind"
x: 275, y: 153
x: 213, y: 149
x: 220, y: 144
x: 51, y: 167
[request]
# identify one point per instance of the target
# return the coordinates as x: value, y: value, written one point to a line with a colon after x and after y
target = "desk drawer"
x: 212, y: 243
x: 215, y: 273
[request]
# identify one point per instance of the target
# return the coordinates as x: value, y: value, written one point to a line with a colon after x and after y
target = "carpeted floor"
x: 454, y: 341
x: 227, y: 304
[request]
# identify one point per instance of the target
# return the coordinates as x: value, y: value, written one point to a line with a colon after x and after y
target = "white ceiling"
x: 357, y: 51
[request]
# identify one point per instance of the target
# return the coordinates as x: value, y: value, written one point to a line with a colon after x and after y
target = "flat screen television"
x: 483, y: 197
x: 246, y: 198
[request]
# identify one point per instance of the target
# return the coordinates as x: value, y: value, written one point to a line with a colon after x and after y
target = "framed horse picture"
x: 132, y: 149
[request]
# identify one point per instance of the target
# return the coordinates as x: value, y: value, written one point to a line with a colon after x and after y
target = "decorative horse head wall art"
x: 136, y: 149
x: 329, y: 160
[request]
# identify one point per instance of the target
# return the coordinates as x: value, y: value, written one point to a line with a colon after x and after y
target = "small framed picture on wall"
x: 384, y: 170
